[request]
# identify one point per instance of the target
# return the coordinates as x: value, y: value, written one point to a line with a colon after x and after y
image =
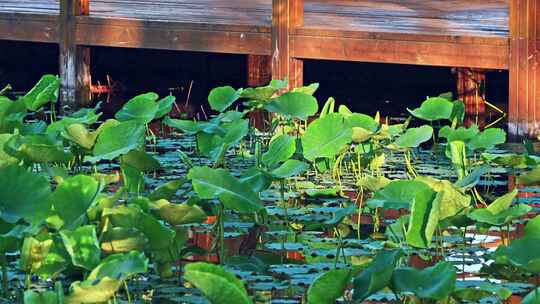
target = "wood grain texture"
x: 524, y: 101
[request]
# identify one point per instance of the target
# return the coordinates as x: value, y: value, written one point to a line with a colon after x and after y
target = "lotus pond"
x: 317, y: 205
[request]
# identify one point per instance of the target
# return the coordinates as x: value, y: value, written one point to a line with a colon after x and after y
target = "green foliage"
x: 218, y: 285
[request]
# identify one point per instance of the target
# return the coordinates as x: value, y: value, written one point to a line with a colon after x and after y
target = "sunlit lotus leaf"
x: 329, y: 286
x: 435, y: 108
x: 366, y: 122
x: 218, y: 183
x: 180, y: 214
x: 78, y: 134
x: 461, y: 133
x: 122, y: 240
x: 425, y: 214
x: 217, y: 284
x: 290, y: 168
x: 432, y: 283
x: 118, y: 140
x: 165, y: 106
x: 280, y: 150
x: 37, y: 149
x: 142, y: 109
x: 397, y: 194
x: 293, y: 105
x: 256, y: 179
x: 12, y: 114
x: 120, y: 266
x: 72, y: 198
x: 326, y: 137
x: 168, y: 190
x: 309, y: 89
x: 44, y: 92
x: 377, y: 275
x: 44, y: 297
x: 23, y: 195
x: 223, y: 97
x: 414, y: 137
x: 329, y: 107
x: 82, y: 245
x: 6, y: 159
x: 487, y: 139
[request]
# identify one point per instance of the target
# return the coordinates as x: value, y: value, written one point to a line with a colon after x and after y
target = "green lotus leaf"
x: 290, y: 168
x: 23, y: 195
x: 218, y: 183
x: 6, y: 159
x: 168, y: 190
x: 120, y: 266
x: 44, y: 92
x: 328, y: 287
x: 377, y: 275
x: 140, y: 160
x: 218, y: 285
x: 532, y: 228
x: 397, y: 194
x: 461, y: 133
x: 223, y: 97
x: 142, y: 109
x: 435, y: 108
x: 165, y: 106
x: 281, y: 149
x: 12, y: 114
x: 293, y: 105
x: 425, y: 215
x: 532, y: 297
x: 487, y: 139
x: 256, y: 179
x: 366, y: 122
x: 326, y: 137
x: 530, y: 178
x: 180, y: 214
x: 523, y: 253
x: 83, y: 246
x: 414, y: 137
x: 78, y: 134
x: 433, y: 283
x: 72, y: 199
x: 90, y: 292
x: 37, y: 149
x: 123, y: 240
x: 502, y: 218
x: 44, y: 297
x: 118, y: 140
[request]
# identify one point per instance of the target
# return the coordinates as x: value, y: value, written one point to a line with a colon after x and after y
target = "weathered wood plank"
x: 259, y: 73
x: 470, y: 89
x: 524, y: 102
x: 75, y: 86
x: 286, y: 16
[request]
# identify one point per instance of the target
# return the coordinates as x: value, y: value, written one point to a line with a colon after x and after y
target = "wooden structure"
x: 474, y: 34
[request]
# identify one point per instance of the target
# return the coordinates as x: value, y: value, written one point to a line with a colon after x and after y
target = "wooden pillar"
x: 75, y: 88
x: 524, y: 72
x: 259, y: 73
x: 471, y: 90
x: 286, y: 15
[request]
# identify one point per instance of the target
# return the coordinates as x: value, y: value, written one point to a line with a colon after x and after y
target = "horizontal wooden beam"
x: 93, y: 31
x: 449, y: 54
x: 29, y: 27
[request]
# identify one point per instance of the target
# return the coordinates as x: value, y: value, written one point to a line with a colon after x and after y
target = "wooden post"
x: 286, y: 15
x: 524, y: 76
x: 470, y: 88
x: 75, y: 88
x: 259, y: 73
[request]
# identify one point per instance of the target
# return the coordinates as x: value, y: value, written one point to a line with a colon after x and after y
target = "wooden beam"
x: 75, y: 88
x: 259, y: 73
x: 286, y: 16
x: 524, y: 103
x: 471, y: 90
